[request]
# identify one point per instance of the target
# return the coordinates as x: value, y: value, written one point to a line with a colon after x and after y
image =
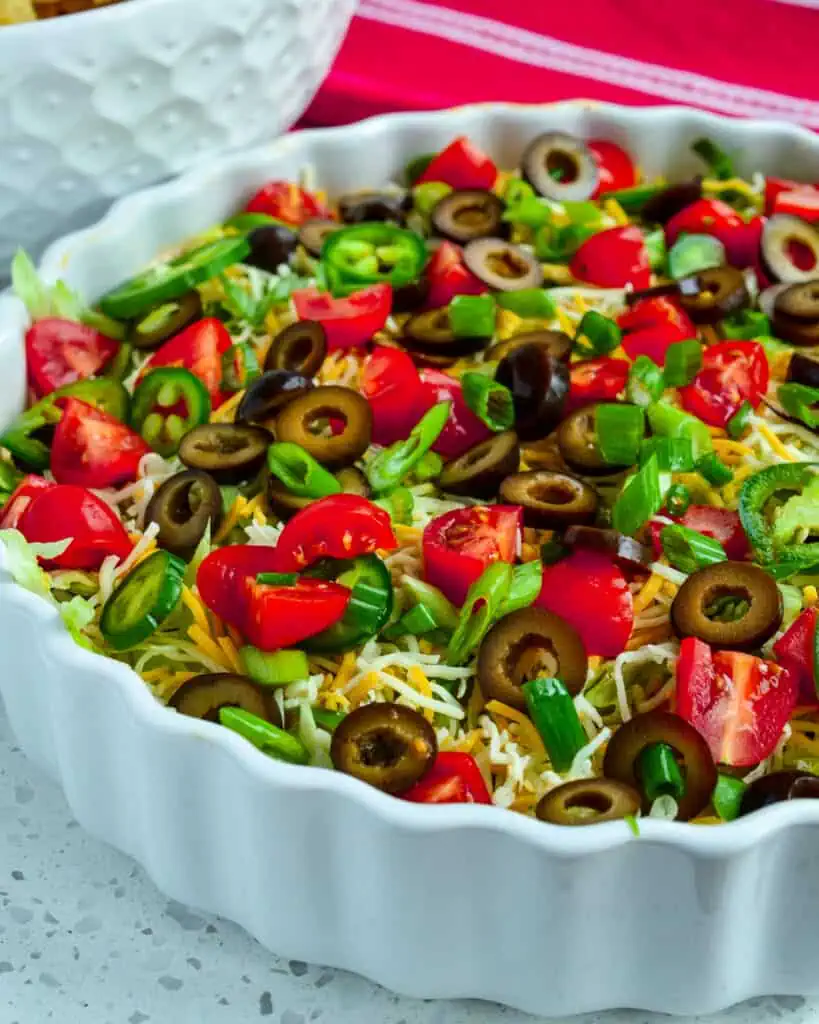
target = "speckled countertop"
x: 85, y: 938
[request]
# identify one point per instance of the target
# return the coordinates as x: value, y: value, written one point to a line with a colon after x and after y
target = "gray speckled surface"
x: 85, y: 938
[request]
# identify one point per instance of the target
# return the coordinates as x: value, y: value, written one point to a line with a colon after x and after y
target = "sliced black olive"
x: 656, y: 291
x: 577, y: 441
x: 666, y: 204
x: 790, y: 248
x: 388, y: 746
x: 776, y: 788
x: 359, y: 207
x: 713, y: 294
x: 539, y: 384
x: 313, y: 234
x: 306, y: 422
x: 588, y: 802
x: 229, y: 452
x: 503, y: 266
x: 300, y: 348
x: 799, y: 301
x: 284, y: 504
x: 204, y: 697
x: 803, y: 370
x: 631, y: 739
x: 560, y: 167
x: 266, y: 396
x: 550, y: 500
x: 469, y: 214
x: 271, y: 246
x: 183, y: 507
x: 480, y: 471
x: 545, y: 454
x: 407, y: 298
x: 555, y: 342
x: 526, y: 645
x: 430, y: 333
x: 730, y: 604
x: 795, y: 332
x: 165, y: 320
x: 629, y: 552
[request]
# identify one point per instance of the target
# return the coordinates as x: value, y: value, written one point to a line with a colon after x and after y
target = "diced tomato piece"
x: 796, y: 651
x: 716, y: 218
x: 199, y: 349
x: 28, y: 488
x: 737, y: 702
x: 463, y: 429
x: 596, y: 380
x: 613, y: 259
x: 277, y: 616
x: 732, y: 372
x: 60, y: 352
x: 350, y: 321
x: 454, y: 778
x: 389, y: 381
x: 220, y: 578
x: 459, y: 545
x: 651, y: 325
x: 92, y: 449
x: 723, y: 524
x: 449, y: 276
x: 461, y: 165
x: 590, y: 592
x: 614, y: 166
x: 287, y: 202
x: 803, y: 204
x: 775, y: 186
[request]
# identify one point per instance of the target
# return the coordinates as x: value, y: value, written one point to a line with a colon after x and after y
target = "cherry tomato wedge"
x: 282, y: 616
x: 596, y: 380
x: 389, y: 381
x: 613, y: 259
x: 341, y: 526
x: 287, y: 202
x: 22, y: 496
x: 775, y: 186
x: 723, y: 524
x: 614, y: 166
x: 60, y: 352
x: 796, y: 651
x: 738, y: 702
x: 732, y: 372
x: 463, y: 429
x: 449, y: 276
x: 803, y: 203
x: 591, y: 594
x: 454, y: 778
x: 651, y: 325
x: 461, y: 165
x: 61, y: 511
x: 92, y: 449
x: 199, y: 349
x: 220, y: 578
x: 350, y: 321
x: 716, y: 218
x: 460, y: 544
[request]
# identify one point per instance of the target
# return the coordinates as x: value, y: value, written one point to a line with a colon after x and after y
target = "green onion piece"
x: 484, y: 598
x: 553, y: 551
x: 527, y: 580
x: 400, y: 503
x: 279, y: 668
x: 683, y: 361
x: 9, y: 478
x: 416, y: 167
x: 557, y: 245
x: 719, y: 163
x: 655, y: 246
x: 529, y: 303
x: 269, y: 738
x: 688, y: 550
x: 585, y: 212
x: 727, y: 798
x: 798, y: 400
x: 668, y: 421
x: 738, y: 423
x: 674, y: 454
x: 714, y: 470
x: 278, y: 579
x: 427, y: 195
x: 416, y: 622
x: 640, y: 499
x: 299, y: 471
x: 389, y: 467
x: 472, y: 316
x: 555, y: 717
x: 240, y: 366
x: 635, y: 198
x: 692, y: 253
x: 645, y: 382
x: 746, y: 325
x: 677, y: 500
x: 529, y: 211
x: 490, y: 401
x: 619, y: 430
x: 328, y: 720
x: 428, y: 468
x: 440, y: 608
x: 633, y: 824
x: 659, y: 773
x: 602, y: 334
x: 516, y: 190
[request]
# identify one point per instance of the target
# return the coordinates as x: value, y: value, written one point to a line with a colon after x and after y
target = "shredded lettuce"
x: 21, y: 560
x: 77, y: 614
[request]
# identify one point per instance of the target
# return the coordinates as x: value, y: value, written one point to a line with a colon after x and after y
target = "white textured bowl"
x: 96, y: 105
x: 443, y: 901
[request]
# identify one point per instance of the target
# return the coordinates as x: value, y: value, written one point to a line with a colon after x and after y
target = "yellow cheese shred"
x: 775, y: 443
x: 226, y: 412
x: 231, y: 654
x: 528, y: 734
x: 235, y: 513
x: 208, y: 646
x: 648, y: 593
x: 418, y: 678
x: 196, y: 608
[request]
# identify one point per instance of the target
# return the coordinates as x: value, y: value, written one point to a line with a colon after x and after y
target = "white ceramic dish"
x: 435, y: 902
x: 96, y: 105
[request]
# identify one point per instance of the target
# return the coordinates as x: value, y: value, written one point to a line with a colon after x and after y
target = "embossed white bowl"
x: 430, y: 901
x: 96, y: 105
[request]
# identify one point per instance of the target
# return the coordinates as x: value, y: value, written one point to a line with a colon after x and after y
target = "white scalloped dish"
x: 455, y: 901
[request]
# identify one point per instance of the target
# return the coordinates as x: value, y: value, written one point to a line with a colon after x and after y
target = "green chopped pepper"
x: 363, y: 254
x: 167, y: 403
x: 370, y: 602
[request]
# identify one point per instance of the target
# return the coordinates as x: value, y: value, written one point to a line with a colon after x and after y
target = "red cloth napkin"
x: 747, y: 57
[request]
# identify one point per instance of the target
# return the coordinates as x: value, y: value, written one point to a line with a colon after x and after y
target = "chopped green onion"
x: 692, y: 253
x: 416, y: 622
x: 645, y: 382
x: 553, y: 551
x: 529, y: 211
x: 602, y: 334
x: 516, y: 190
x: 389, y: 467
x: 739, y: 421
x: 655, y: 246
x: 557, y: 245
x: 727, y: 798
x: 472, y: 316
x: 299, y: 471
x: 265, y: 736
x: 719, y: 163
x: 677, y: 500
x: 240, y: 366
x: 527, y: 580
x: 491, y: 402
x: 619, y: 430
x: 328, y: 720
x: 279, y: 668
x: 555, y: 717
x: 659, y: 773
x: 479, y: 611
x: 714, y: 470
x: 683, y: 361
x: 529, y: 303
x: 674, y: 454
x: 428, y: 467
x: 668, y: 421
x: 688, y: 550
x: 640, y: 499
x: 635, y: 198
x: 400, y: 503
x: 442, y: 610
x: 798, y: 400
x: 416, y: 167
x: 746, y: 325
x: 633, y: 824
x: 278, y: 579
x: 428, y: 194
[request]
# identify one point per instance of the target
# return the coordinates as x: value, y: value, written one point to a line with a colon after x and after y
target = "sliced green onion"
x: 265, y: 736
x: 279, y: 668
x: 738, y: 423
x: 585, y: 212
x: 619, y: 430
x: 428, y: 467
x: 529, y: 211
x: 428, y: 194
x: 669, y: 421
x: 299, y: 471
x: 416, y: 622
x: 278, y: 579
x: 640, y: 499
x: 553, y: 551
x: 674, y: 454
x: 529, y: 303
x: 688, y: 550
x: 491, y: 402
x: 416, y: 167
x: 692, y: 253
x: 602, y: 334
x: 683, y: 361
x: 655, y: 247
x: 799, y: 400
x: 746, y: 325
x: 440, y: 608
x: 555, y: 717
x: 328, y: 720
x: 484, y: 598
x: 645, y: 382
x: 633, y: 824
x: 714, y: 470
x: 659, y: 773
x: 719, y: 163
x: 472, y: 316
x: 727, y: 798
x: 527, y: 580
x: 635, y: 198
x: 389, y: 467
x: 557, y: 245
x: 677, y: 500
x: 400, y: 503
x: 516, y: 190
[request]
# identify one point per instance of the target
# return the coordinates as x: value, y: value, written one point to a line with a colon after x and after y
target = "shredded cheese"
x: 527, y: 733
